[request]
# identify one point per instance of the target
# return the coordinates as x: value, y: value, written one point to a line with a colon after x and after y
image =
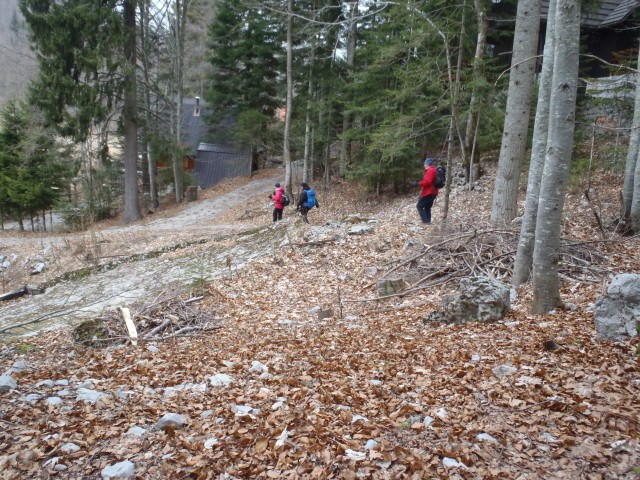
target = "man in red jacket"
x: 276, y: 197
x: 429, y: 191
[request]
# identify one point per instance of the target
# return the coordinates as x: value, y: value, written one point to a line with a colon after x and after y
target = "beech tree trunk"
x: 131, y: 202
x: 516, y: 121
x: 562, y: 107
x: 632, y: 152
x: 635, y: 204
x: 524, y: 255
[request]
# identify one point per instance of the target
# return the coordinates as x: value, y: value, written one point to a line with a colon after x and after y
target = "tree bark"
x: 472, y: 120
x: 287, y: 117
x: 308, y: 141
x: 635, y: 204
x: 345, y: 151
x: 632, y: 152
x: 181, y: 7
x: 562, y: 107
x: 454, y: 86
x: 516, y: 121
x: 524, y: 255
x: 131, y: 203
x: 146, y: 68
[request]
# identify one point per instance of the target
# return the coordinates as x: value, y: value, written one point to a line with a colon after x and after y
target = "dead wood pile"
x: 488, y: 252
x: 167, y: 317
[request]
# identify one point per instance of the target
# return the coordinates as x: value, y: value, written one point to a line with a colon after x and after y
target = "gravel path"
x: 127, y: 283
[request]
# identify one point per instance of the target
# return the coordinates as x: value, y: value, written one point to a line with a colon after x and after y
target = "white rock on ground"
x: 124, y: 469
x: 170, y: 420
x: 504, y: 370
x: 136, y: 431
x: 89, y: 396
x: 53, y: 401
x: 258, y: 367
x: 69, y: 448
x: 485, y: 437
x: 452, y: 463
x: 220, y: 380
x: 32, y: 398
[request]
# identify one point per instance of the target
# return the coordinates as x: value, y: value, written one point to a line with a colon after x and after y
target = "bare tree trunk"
x: 287, y: 117
x: 472, y: 120
x: 635, y: 204
x: 181, y: 7
x: 308, y: 160
x: 632, y: 152
x: 130, y: 120
x: 345, y: 151
x: 524, y: 255
x: 562, y: 107
x: 516, y: 121
x: 144, y: 48
x: 454, y: 85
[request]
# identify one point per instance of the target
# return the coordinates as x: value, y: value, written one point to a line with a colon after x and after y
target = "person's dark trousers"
x: 303, y: 211
x: 424, y: 207
x: 277, y: 214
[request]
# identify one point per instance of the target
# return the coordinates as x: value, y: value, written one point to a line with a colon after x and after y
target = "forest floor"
x: 290, y: 364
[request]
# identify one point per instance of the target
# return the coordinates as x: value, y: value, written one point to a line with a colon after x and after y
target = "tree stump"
x: 191, y: 194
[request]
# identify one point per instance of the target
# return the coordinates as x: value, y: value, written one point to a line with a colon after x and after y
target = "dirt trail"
x: 124, y: 284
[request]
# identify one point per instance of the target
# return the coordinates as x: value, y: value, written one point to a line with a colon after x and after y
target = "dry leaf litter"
x: 295, y: 367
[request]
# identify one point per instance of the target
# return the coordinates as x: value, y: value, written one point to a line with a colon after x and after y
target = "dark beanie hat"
x: 277, y: 185
x: 304, y: 185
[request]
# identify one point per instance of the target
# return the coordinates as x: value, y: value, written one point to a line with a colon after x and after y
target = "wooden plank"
x: 131, y: 328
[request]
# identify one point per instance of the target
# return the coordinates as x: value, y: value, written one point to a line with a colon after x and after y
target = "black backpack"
x: 285, y: 199
x: 441, y: 176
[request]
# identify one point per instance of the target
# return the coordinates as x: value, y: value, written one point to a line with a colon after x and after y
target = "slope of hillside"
x: 18, y: 62
x: 302, y: 370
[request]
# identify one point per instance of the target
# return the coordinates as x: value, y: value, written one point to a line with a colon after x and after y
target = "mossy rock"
x: 92, y: 333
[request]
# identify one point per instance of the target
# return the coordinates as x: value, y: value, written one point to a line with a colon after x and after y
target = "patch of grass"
x: 26, y: 348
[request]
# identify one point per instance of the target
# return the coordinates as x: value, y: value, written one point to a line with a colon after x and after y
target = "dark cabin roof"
x: 607, y: 15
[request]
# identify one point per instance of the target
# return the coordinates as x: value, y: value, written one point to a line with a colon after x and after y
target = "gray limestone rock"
x: 360, y: 229
x: 481, y: 299
x: 7, y: 383
x: 617, y: 314
x: 32, y: 398
x: 17, y: 367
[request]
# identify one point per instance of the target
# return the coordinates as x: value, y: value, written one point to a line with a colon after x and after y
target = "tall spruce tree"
x: 401, y: 97
x: 87, y: 56
x: 246, y: 44
x: 32, y: 173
